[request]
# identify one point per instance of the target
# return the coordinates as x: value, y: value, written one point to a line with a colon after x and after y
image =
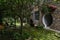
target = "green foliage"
x: 16, y: 7
x: 39, y: 27
x: 13, y: 35
x: 41, y: 34
x: 19, y: 8
x: 45, y: 9
x: 36, y: 34
x: 25, y: 35
x: 16, y: 36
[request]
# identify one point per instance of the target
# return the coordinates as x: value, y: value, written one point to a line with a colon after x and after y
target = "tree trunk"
x: 21, y: 28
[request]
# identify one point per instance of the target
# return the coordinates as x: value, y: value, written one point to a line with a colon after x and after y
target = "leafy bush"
x: 13, y: 35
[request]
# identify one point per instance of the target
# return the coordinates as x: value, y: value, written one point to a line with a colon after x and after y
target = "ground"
x: 42, y: 34
x: 29, y: 33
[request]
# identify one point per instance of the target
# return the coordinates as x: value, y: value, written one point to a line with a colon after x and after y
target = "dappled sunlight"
x: 22, y: 20
x: 18, y: 24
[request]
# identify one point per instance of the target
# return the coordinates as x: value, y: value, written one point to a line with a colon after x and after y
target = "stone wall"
x: 56, y: 18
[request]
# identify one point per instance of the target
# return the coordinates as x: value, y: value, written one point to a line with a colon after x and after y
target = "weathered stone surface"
x: 56, y: 19
x: 56, y: 16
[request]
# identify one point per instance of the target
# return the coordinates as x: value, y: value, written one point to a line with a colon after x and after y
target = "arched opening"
x: 47, y: 20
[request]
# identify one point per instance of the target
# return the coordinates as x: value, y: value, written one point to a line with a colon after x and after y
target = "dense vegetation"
x: 12, y: 13
x: 30, y: 33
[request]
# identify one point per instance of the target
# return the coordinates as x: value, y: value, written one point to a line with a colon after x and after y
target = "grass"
x: 41, y: 34
x: 38, y: 33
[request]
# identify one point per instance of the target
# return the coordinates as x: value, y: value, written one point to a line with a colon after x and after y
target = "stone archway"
x: 47, y: 20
